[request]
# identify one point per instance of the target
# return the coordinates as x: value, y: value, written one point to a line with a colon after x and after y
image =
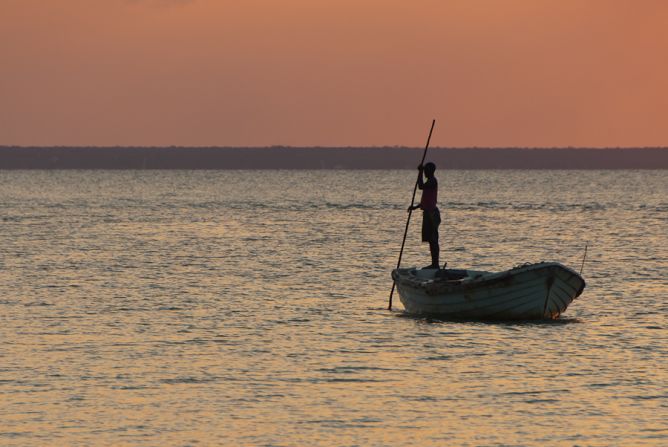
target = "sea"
x: 250, y: 308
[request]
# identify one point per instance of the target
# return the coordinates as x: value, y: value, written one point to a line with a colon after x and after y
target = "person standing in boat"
x: 431, y: 216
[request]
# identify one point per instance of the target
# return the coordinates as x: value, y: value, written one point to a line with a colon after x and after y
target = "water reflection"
x: 185, y: 308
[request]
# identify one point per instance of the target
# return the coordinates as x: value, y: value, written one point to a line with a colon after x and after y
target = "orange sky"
x: 334, y: 72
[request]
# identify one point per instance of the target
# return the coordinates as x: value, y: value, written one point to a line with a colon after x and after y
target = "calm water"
x: 249, y: 309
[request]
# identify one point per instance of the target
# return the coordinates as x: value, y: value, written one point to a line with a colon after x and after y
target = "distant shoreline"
x: 282, y: 157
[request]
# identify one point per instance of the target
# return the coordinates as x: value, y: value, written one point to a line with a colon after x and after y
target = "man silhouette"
x: 431, y: 216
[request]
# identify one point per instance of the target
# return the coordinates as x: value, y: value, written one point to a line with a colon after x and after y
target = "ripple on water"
x: 231, y: 308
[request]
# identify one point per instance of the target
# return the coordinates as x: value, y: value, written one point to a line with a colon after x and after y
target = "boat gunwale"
x: 439, y: 286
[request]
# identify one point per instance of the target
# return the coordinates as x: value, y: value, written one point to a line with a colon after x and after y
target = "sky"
x: 493, y: 73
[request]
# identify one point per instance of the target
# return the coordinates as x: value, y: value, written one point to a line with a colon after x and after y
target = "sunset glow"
x: 304, y: 72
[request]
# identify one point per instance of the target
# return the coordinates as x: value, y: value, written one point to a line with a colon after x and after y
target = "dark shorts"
x: 431, y: 219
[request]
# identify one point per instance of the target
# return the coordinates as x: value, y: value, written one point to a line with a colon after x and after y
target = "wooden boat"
x: 527, y: 292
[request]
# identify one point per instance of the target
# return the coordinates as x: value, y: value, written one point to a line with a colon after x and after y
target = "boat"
x: 527, y: 292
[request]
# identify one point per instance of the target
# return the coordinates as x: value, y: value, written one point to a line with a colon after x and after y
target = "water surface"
x: 248, y: 308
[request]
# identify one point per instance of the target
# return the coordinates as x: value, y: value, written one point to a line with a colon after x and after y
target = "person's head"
x: 429, y: 169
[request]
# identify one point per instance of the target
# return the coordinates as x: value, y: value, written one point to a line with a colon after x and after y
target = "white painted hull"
x: 535, y: 291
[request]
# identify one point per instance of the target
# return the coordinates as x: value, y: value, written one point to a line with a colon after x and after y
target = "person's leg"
x: 433, y: 244
x: 434, y: 249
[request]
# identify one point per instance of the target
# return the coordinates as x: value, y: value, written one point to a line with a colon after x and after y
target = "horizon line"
x: 279, y: 146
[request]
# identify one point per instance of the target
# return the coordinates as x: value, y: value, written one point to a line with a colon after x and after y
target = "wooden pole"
x: 583, y: 258
x: 410, y: 212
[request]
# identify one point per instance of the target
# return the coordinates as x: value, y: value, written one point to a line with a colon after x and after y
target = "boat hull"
x: 529, y: 292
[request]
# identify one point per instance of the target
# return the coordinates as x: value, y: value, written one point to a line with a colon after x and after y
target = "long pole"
x: 583, y: 258
x: 410, y: 210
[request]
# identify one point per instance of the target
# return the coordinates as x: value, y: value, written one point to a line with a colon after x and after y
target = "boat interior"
x: 446, y: 274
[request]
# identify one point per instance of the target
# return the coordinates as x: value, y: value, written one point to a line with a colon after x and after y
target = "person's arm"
x: 420, y: 184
